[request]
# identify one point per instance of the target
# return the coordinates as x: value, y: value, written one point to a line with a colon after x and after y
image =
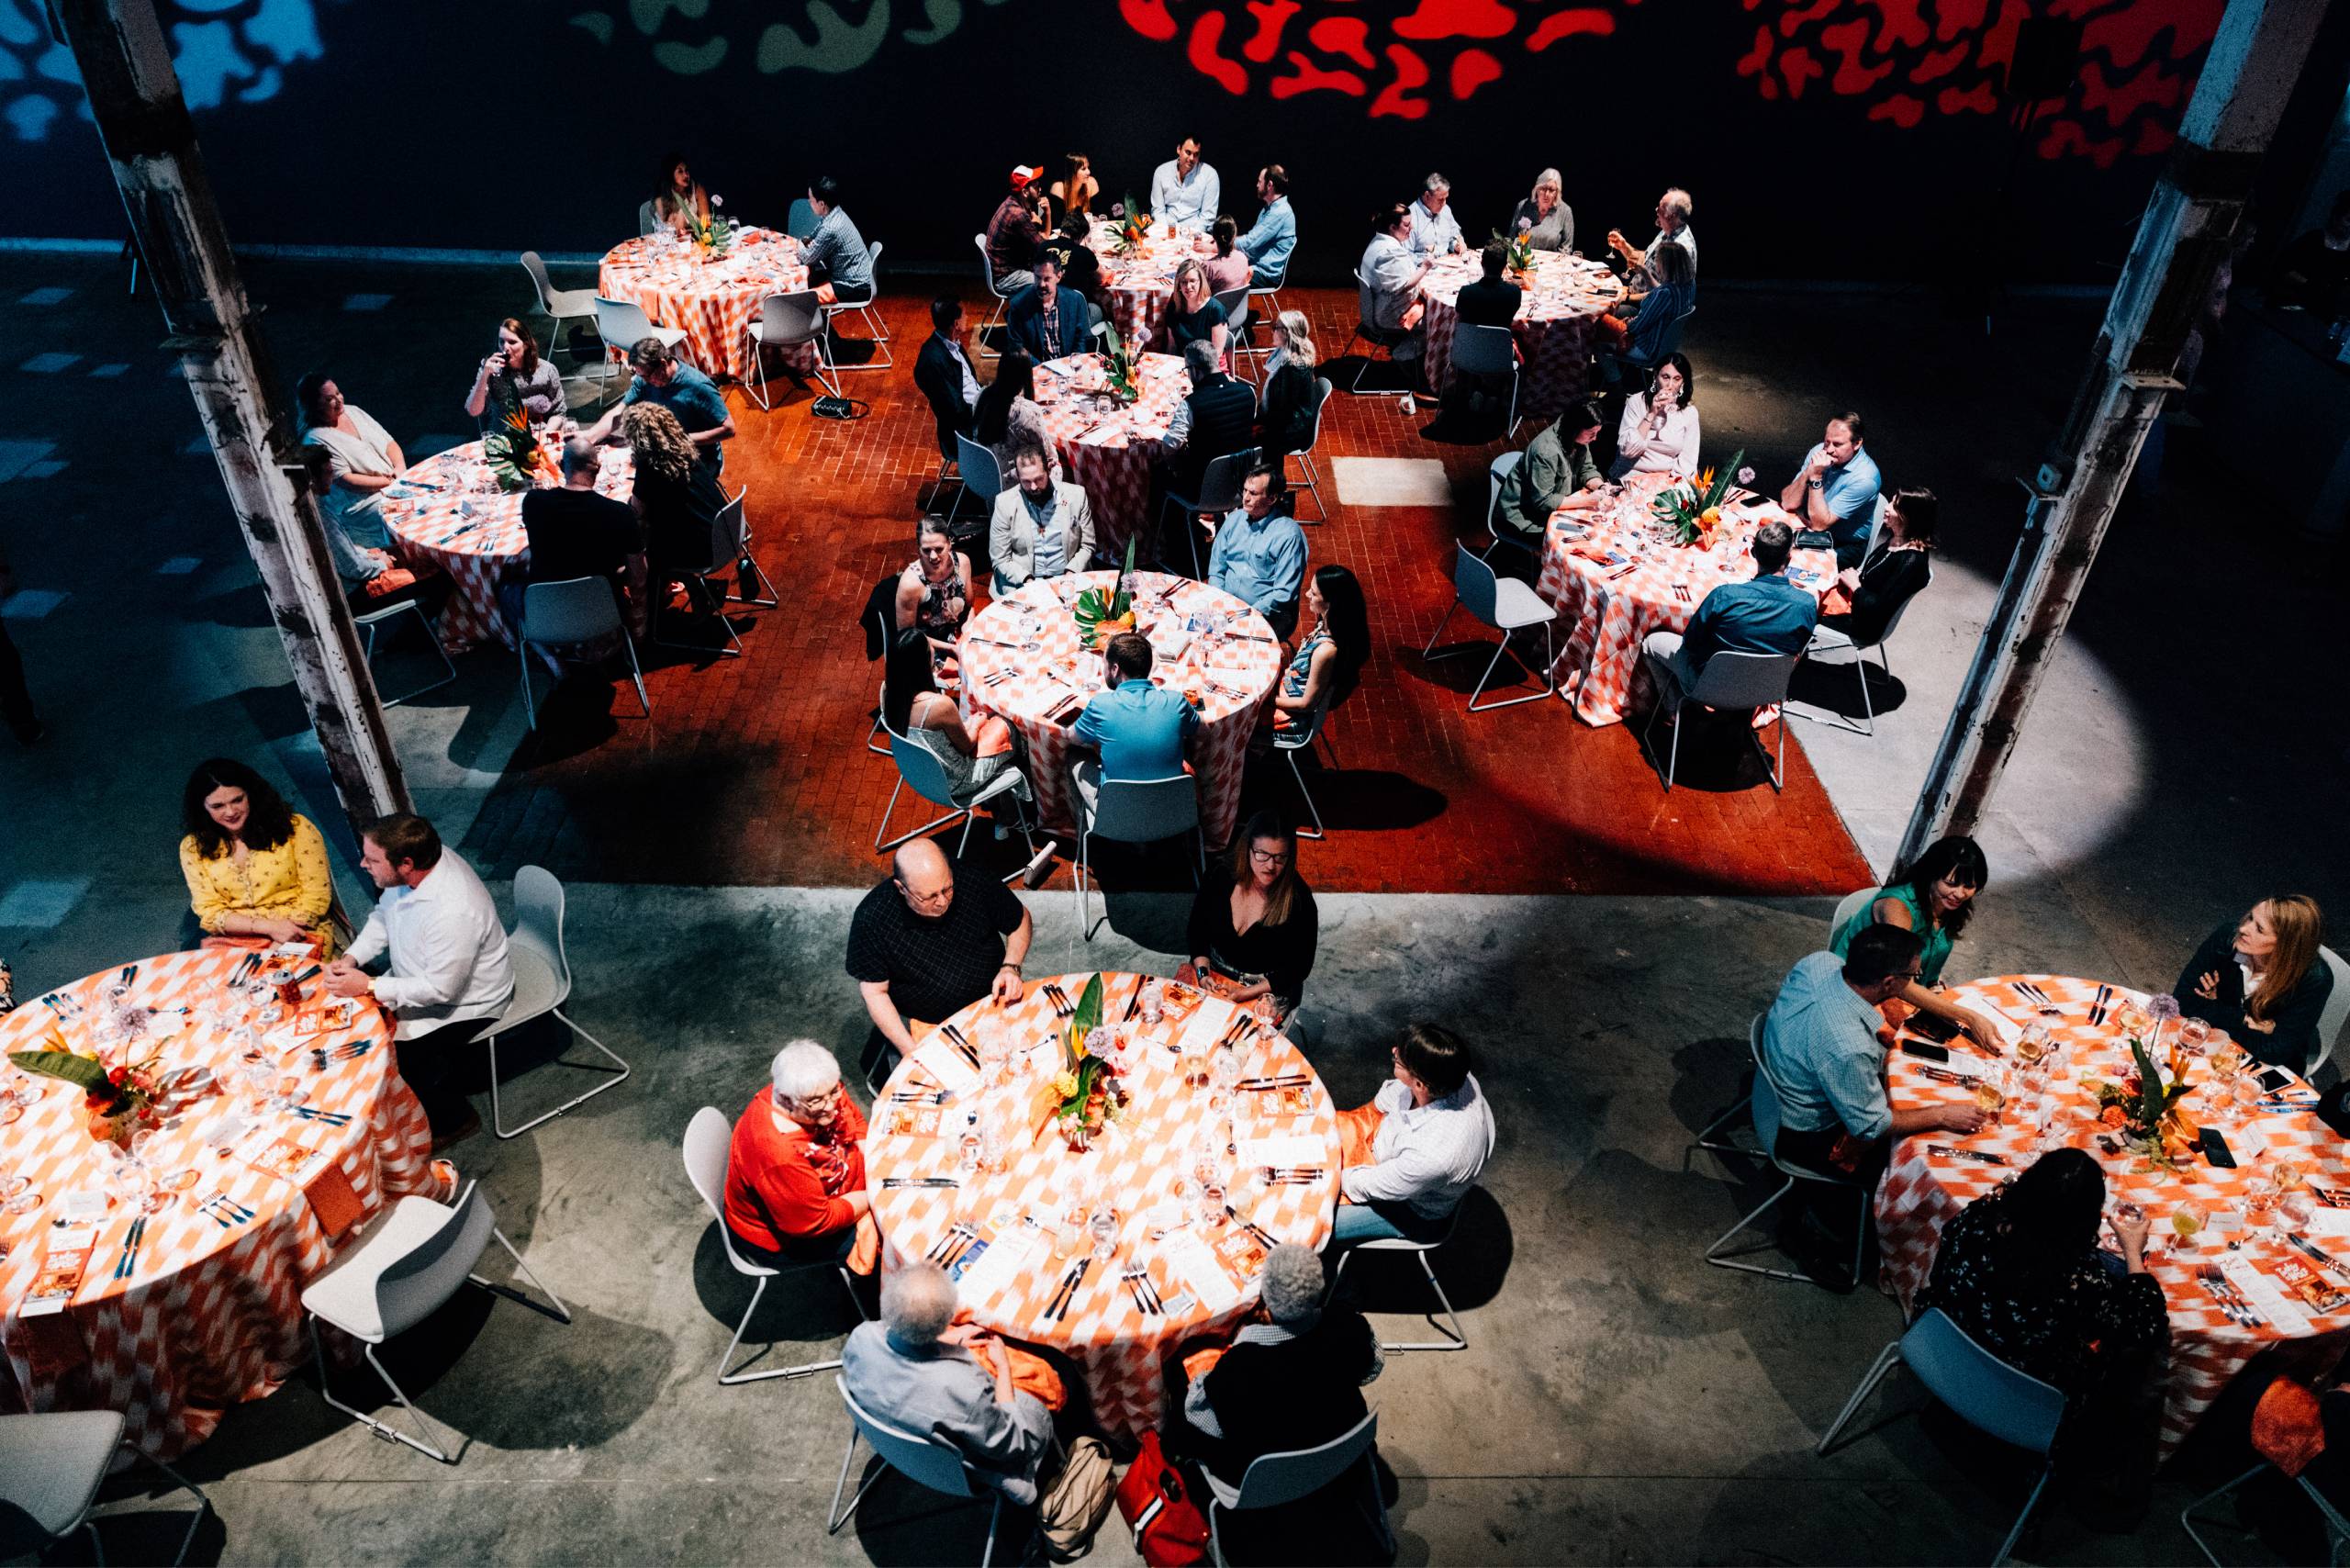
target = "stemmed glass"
x: 1225, y: 1072
x: 16, y: 1194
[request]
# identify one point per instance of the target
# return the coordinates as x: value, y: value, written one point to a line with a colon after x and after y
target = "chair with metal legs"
x: 574, y: 613
x: 2337, y: 1528
x: 1504, y: 604
x: 541, y: 985
x: 1001, y: 295
x: 709, y: 1139
x: 928, y: 1461
x: 919, y: 765
x: 1274, y: 1479
x: 368, y: 619
x: 791, y: 321
x: 1766, y: 1130
x: 1134, y: 810
x: 622, y: 324
x: 1308, y: 475
x: 1732, y: 682
x: 1448, y: 1323
x: 1311, y: 725
x: 52, y: 1466
x: 1828, y: 640
x: 877, y: 330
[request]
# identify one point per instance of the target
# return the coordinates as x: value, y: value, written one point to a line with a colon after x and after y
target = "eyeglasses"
x: 941, y: 896
x: 1269, y: 857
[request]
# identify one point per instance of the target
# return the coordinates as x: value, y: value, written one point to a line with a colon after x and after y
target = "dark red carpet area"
x: 753, y: 771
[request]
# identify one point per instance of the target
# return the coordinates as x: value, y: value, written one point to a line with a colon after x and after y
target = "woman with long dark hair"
x: 1896, y: 567
x: 1333, y: 642
x: 254, y: 867
x: 677, y: 192
x: 1074, y: 191
x: 516, y: 376
x: 1006, y: 417
x: 934, y: 590
x: 1253, y: 926
x: 2260, y: 979
x: 1933, y: 896
x: 912, y: 706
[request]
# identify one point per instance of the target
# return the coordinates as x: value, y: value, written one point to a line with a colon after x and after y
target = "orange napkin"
x: 1355, y: 1129
x: 865, y: 1252
x: 2286, y: 1428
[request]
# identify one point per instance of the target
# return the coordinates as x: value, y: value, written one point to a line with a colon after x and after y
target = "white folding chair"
x: 1134, y: 810
x: 541, y: 985
x: 648, y: 219
x: 1766, y: 1131
x: 1502, y: 603
x: 566, y: 614
x: 1828, y: 640
x: 982, y: 479
x: 919, y: 765
x: 559, y: 305
x: 1235, y: 322
x: 1388, y: 338
x: 1306, y: 728
x: 52, y: 1466
x: 1219, y: 486
x: 1306, y: 474
x: 1455, y: 1332
x: 709, y: 1140
x: 368, y: 619
x: 1270, y: 293
x: 1497, y: 474
x: 1001, y: 295
x: 1274, y: 1479
x: 1488, y: 351
x: 930, y: 1461
x: 1733, y: 682
x: 399, y: 1270
x: 2335, y: 1011
x: 877, y: 331
x: 730, y: 542
x: 1980, y: 1390
x: 791, y: 321
x: 622, y: 324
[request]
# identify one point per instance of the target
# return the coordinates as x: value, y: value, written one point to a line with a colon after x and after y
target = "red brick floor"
x: 752, y: 771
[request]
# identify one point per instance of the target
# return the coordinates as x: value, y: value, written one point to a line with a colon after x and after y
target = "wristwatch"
x: 1007, y: 964
x: 1820, y: 484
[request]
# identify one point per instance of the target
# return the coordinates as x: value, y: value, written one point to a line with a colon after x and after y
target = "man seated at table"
x: 1493, y: 300
x: 1216, y: 418
x: 449, y: 977
x: 1767, y: 615
x: 1081, y: 268
x: 942, y: 371
x: 1835, y: 491
x: 1672, y: 209
x: 574, y: 532
x: 1389, y: 278
x: 1186, y: 192
x: 930, y: 941
x: 1412, y: 1153
x: 920, y: 1372
x: 1136, y: 729
x: 1042, y: 527
x: 835, y: 253
x: 663, y: 378
x: 1045, y: 321
x: 1273, y: 236
x: 795, y: 1171
x: 1558, y: 470
x: 1435, y: 228
x: 1015, y: 231
x: 1258, y: 555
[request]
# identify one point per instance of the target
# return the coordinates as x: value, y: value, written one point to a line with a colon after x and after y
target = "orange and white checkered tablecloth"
x: 1107, y: 450
x: 1232, y: 662
x: 1143, y: 1158
x: 1557, y: 321
x: 1923, y: 1190
x: 435, y: 514
x: 1140, y: 285
x: 1612, y: 586
x: 210, y: 1315
x: 713, y: 301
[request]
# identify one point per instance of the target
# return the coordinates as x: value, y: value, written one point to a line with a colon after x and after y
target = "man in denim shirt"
x: 1274, y: 235
x: 1139, y: 730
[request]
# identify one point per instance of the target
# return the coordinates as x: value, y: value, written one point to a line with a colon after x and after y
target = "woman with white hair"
x: 1293, y: 1381
x: 1547, y: 223
x: 795, y: 1172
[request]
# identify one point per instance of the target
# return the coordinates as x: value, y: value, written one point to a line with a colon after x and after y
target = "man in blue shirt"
x: 1835, y: 491
x: 1768, y: 615
x: 1436, y: 230
x: 835, y: 252
x: 1184, y: 191
x: 1260, y: 552
x: 1274, y: 236
x: 662, y: 377
x: 1139, y: 730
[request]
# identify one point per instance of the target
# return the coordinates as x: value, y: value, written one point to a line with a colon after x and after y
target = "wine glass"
x: 1104, y: 1228
x: 2033, y: 1045
x: 2294, y: 1211
x: 16, y: 1194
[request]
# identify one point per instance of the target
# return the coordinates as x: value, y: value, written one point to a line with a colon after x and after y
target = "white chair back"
x: 577, y: 609
x: 1849, y: 905
x: 1766, y: 1092
x: 1892, y: 622
x: 929, y: 1462
x: 537, y: 267
x: 920, y: 767
x: 1500, y: 469
x: 1475, y: 582
x: 1236, y: 309
x: 1220, y: 485
x: 727, y: 534
x: 2336, y: 1010
x: 648, y: 220
x: 801, y: 221
x: 789, y: 319
x: 1272, y: 1479
x: 538, y: 923
x: 414, y: 1287
x: 709, y: 1141
x: 987, y: 266
x: 1322, y: 390
x: 982, y: 475
x: 873, y: 263
x: 1744, y: 680
x: 1145, y: 811
x: 622, y: 323
x: 1876, y: 524
x: 1982, y: 1390
x: 1483, y: 351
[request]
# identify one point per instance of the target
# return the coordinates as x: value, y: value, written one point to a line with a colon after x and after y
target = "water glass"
x: 1153, y: 1007
x: 2194, y: 1035
x: 1104, y: 1228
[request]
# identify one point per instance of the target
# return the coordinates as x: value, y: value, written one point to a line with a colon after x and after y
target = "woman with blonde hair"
x: 1195, y: 317
x: 2261, y: 981
x: 676, y: 498
x: 1285, y: 414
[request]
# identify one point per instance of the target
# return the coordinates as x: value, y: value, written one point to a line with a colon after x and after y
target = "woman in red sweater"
x: 795, y: 1174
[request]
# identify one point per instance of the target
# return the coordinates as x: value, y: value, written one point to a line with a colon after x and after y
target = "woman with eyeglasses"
x: 795, y: 1171
x: 1254, y: 926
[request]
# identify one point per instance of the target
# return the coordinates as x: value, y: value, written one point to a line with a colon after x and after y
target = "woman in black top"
x: 2261, y: 981
x: 1254, y: 921
x: 1285, y: 420
x: 678, y: 498
x: 1195, y: 317
x: 1896, y: 568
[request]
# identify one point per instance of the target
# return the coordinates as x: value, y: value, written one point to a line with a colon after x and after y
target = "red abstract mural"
x: 1902, y: 60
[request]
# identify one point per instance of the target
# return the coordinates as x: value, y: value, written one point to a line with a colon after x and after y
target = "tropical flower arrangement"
x: 1696, y: 511
x: 1121, y: 371
x: 715, y: 235
x: 1087, y: 1091
x: 515, y: 454
x: 1129, y: 226
x: 1102, y: 614
x: 2143, y: 1107
x: 1521, y: 248
x: 115, y: 1101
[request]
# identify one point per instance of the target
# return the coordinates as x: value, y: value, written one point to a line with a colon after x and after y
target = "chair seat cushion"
x: 1828, y: 639
x: 345, y: 1292
x: 536, y: 990
x: 1515, y: 604
x: 52, y: 1465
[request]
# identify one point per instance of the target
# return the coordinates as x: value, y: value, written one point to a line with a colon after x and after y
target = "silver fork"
x: 2231, y: 1300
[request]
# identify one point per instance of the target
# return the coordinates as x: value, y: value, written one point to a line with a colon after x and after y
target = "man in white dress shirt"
x: 449, y: 978
x: 1435, y: 228
x: 1185, y: 192
x: 1390, y: 274
x: 1430, y: 1131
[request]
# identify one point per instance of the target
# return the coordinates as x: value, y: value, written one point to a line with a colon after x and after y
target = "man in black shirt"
x: 932, y: 940
x: 1491, y: 300
x: 573, y: 532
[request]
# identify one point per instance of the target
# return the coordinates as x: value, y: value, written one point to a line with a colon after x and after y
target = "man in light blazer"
x: 1042, y: 528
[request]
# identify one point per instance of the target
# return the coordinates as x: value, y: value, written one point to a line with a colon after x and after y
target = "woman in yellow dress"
x: 253, y: 867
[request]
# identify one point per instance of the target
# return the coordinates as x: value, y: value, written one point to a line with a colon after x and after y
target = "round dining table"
x: 1108, y: 447
x: 447, y: 511
x: 1556, y: 322
x: 1015, y: 1217
x: 1140, y: 285
x: 712, y: 299
x: 1019, y: 659
x: 2240, y: 1286
x: 170, y: 1288
x: 1613, y: 583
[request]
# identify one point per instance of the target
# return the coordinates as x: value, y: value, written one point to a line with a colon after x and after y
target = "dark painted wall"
x: 1822, y: 137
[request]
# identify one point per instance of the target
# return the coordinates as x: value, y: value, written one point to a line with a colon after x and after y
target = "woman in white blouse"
x: 1659, y: 434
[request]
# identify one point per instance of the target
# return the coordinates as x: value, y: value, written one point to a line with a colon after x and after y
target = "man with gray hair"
x: 1767, y: 615
x: 573, y: 532
x: 1216, y: 419
x: 1295, y: 1382
x: 1672, y: 209
x: 922, y: 1372
x: 1435, y: 228
x: 795, y: 1171
x: 662, y: 377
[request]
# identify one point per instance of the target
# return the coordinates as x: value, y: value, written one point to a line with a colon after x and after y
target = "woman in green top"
x: 1935, y: 898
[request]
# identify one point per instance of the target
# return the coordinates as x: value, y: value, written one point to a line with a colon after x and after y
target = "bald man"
x: 932, y: 940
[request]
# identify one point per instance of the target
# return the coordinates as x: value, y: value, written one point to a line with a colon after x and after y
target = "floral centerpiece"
x: 714, y: 234
x: 1521, y: 248
x: 1101, y: 613
x: 2145, y: 1108
x: 115, y: 1101
x: 1121, y: 369
x: 1129, y: 226
x: 1086, y: 1091
x: 516, y: 455
x: 1695, y: 511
